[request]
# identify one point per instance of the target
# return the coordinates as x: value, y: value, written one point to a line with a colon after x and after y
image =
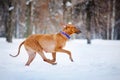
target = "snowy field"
x: 98, y: 61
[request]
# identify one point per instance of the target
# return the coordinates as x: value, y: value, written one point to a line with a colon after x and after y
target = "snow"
x: 28, y: 2
x: 68, y: 4
x: 69, y: 22
x: 97, y: 61
x: 11, y: 8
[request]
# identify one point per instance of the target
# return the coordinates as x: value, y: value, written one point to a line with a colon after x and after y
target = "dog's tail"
x: 18, y: 50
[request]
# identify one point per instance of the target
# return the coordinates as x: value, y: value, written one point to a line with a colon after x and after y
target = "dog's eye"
x: 66, y: 27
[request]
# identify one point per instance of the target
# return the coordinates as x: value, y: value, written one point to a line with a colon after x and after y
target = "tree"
x: 17, y: 19
x: 67, y: 11
x: 28, y: 18
x: 113, y: 19
x: 89, y: 5
x: 8, y: 24
x: 117, y: 21
x: 87, y: 8
x: 108, y: 19
x: 97, y: 19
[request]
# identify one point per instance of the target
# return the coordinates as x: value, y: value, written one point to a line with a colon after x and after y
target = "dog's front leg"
x: 45, y: 59
x: 54, y: 56
x: 65, y: 51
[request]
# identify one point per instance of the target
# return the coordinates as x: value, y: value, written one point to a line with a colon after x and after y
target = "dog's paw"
x: 72, y: 60
x: 53, y: 60
x: 54, y: 63
x: 27, y: 64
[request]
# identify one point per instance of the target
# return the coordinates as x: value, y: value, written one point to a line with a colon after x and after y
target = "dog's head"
x: 70, y: 29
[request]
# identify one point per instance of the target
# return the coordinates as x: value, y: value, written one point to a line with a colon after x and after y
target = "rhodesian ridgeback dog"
x: 52, y: 43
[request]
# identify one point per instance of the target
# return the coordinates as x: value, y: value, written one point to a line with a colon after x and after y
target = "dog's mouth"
x: 78, y: 31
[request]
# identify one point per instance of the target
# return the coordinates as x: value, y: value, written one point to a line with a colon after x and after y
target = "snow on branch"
x: 69, y: 22
x: 68, y: 4
x: 11, y: 8
x: 28, y: 2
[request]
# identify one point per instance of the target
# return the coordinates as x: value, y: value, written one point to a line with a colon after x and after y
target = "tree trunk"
x: 9, y: 28
x: 88, y: 36
x: 67, y: 11
x: 113, y: 20
x: 108, y: 20
x: 17, y: 31
x: 28, y: 18
x: 88, y: 21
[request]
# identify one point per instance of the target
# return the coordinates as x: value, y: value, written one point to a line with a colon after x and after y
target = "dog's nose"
x: 78, y: 29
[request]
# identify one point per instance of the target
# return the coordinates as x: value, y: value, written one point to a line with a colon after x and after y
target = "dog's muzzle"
x: 78, y: 30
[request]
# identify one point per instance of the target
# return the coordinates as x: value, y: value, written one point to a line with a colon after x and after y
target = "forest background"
x: 97, y: 19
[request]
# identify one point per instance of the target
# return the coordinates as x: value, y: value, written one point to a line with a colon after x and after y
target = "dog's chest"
x: 50, y: 49
x: 60, y: 44
x: 50, y: 43
x: 47, y: 43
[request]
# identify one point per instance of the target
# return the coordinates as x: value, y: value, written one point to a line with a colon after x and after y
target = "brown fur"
x: 51, y: 43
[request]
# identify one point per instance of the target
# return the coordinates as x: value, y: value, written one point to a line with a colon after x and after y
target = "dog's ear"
x: 67, y: 26
x: 63, y: 25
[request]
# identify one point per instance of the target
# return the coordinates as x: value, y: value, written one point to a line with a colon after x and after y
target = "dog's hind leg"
x: 31, y: 56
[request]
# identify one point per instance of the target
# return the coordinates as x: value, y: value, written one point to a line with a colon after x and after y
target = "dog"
x: 52, y: 43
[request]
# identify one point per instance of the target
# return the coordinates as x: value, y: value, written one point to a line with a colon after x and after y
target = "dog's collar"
x: 65, y: 34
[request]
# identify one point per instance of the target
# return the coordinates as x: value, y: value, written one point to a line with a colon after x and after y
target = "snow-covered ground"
x: 97, y: 61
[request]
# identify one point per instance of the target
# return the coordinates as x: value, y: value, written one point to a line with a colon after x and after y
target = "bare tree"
x: 89, y: 10
x: 9, y: 27
x: 113, y: 19
x: 96, y: 18
x: 28, y: 18
x: 67, y: 11
x: 108, y: 20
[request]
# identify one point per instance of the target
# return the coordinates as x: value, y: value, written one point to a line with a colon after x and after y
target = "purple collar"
x: 65, y: 34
